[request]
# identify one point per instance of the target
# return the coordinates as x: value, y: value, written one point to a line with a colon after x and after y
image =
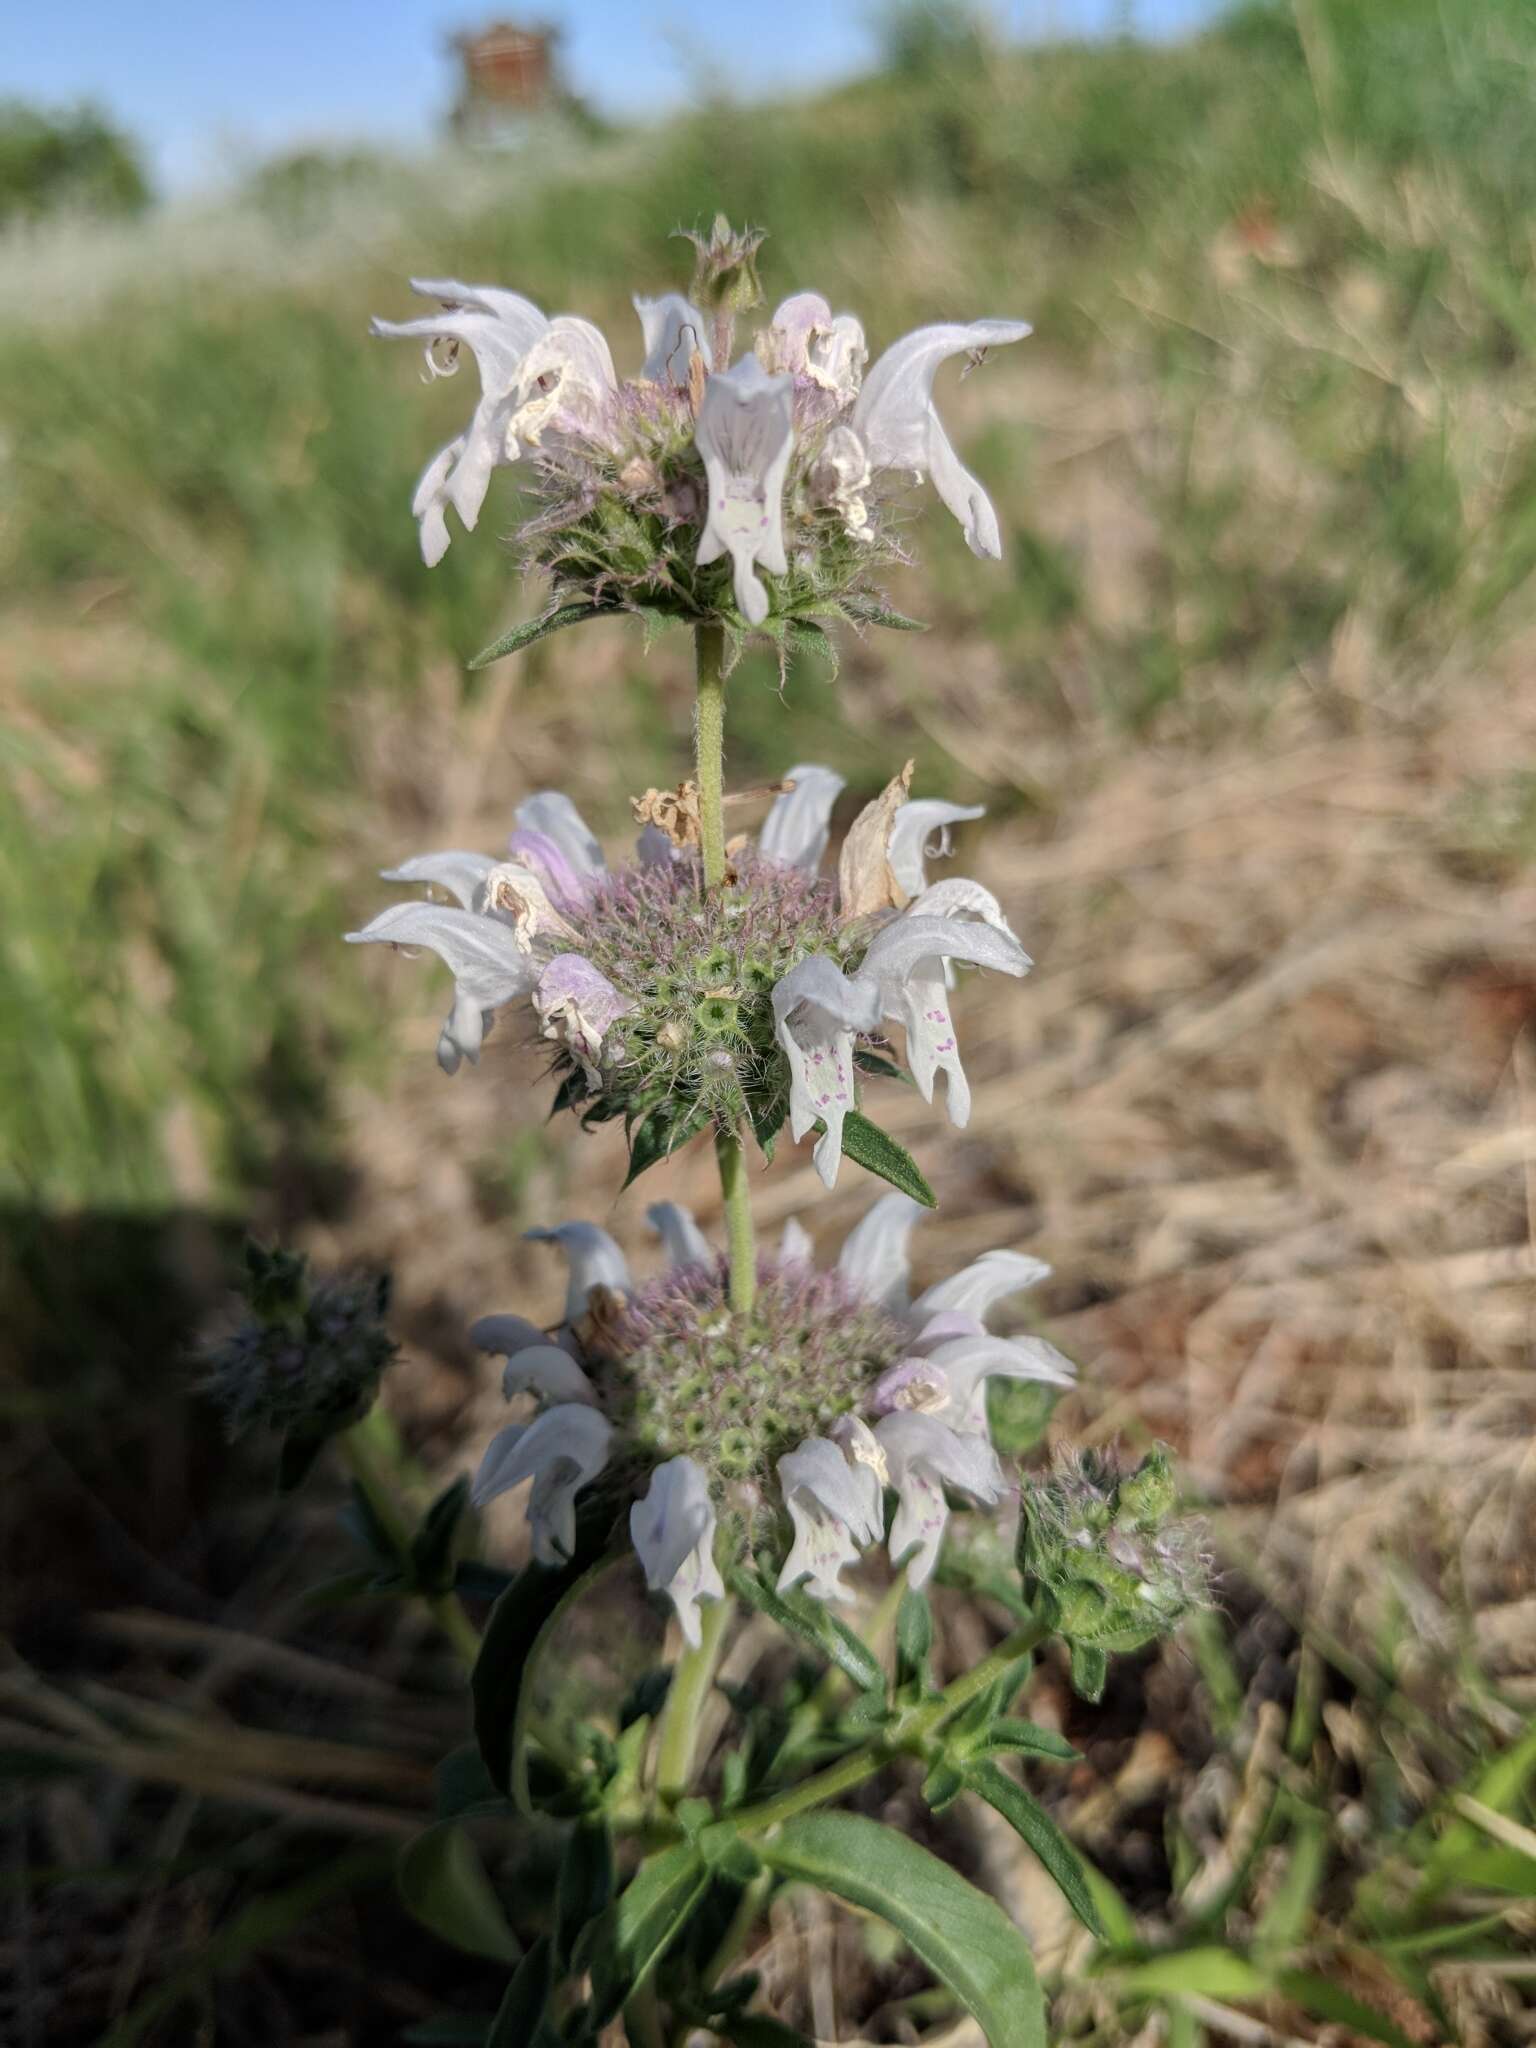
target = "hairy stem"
x: 690, y: 1688
x: 852, y: 1770
x: 370, y: 1451
x: 709, y: 748
x: 734, y: 1186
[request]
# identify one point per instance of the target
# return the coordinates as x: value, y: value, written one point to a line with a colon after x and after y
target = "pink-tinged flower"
x: 900, y: 426
x: 745, y: 432
x: 654, y: 1394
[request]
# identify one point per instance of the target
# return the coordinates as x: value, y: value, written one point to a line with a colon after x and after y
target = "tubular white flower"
x: 977, y: 1288
x: 969, y: 1362
x: 564, y: 382
x: 817, y: 1010
x: 745, y: 432
x: 489, y: 968
x: 577, y: 1005
x: 907, y: 962
x: 562, y: 1451
x: 686, y: 1244
x: 551, y: 812
x: 807, y: 339
x: 504, y: 1335
x: 901, y: 428
x: 925, y: 1455
x: 593, y: 1258
x: 675, y: 332
x: 499, y: 328
x: 921, y: 832
x: 461, y: 874
x: 873, y: 1259
x: 842, y: 478
x: 799, y: 823
x: 673, y: 1531
x: 550, y: 1372
x: 834, y: 1508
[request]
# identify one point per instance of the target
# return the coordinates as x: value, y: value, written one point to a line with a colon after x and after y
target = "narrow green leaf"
x: 657, y: 1136
x: 964, y: 1937
x: 641, y: 1925
x: 1089, y: 1671
x: 1028, y: 1740
x: 442, y: 1883
x: 526, y: 1998
x: 1025, y: 1813
x: 431, y: 1559
x: 538, y: 629
x: 585, y: 1884
x: 812, y: 1622
x: 512, y: 1634
x: 914, y: 1638
x: 868, y: 1146
x: 869, y: 611
x: 1197, y: 1972
x: 461, y: 1785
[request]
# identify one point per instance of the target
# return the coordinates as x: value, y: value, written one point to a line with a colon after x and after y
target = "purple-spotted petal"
x: 745, y: 433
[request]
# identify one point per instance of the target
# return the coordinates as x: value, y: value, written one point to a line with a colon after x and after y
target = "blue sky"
x: 204, y: 85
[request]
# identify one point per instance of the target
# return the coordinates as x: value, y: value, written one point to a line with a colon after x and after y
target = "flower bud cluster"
x: 307, y: 1357
x: 1105, y: 1556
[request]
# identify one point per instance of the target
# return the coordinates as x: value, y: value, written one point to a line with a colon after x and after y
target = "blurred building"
x: 508, y: 78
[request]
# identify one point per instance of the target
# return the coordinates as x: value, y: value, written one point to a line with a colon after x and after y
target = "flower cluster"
x: 720, y: 1429
x: 682, y: 1008
x: 679, y: 489
x: 307, y: 1356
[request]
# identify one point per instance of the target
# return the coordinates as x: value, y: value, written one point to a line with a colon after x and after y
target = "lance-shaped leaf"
x: 1025, y: 1813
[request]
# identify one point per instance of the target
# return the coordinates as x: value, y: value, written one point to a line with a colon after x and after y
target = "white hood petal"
x: 675, y: 332
x: 459, y: 873
x: 548, y: 1371
x: 816, y: 1011
x: 798, y: 825
x: 969, y: 1362
x: 959, y: 897
x: 873, y: 1259
x: 924, y: 1456
x: 834, y: 1507
x: 594, y: 1260
x: 673, y: 1531
x: 563, y: 1451
x: 980, y: 1286
x: 896, y: 416
x: 551, y: 812
x: 686, y: 1244
x: 921, y: 832
x: 795, y: 1247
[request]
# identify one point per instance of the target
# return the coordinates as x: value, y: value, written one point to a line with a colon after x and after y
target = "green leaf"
x: 964, y: 1937
x: 538, y: 629
x: 812, y: 1622
x: 1025, y: 1813
x: 657, y: 1136
x: 1195, y: 1972
x: 585, y: 1884
x: 641, y: 1925
x: 914, y: 1638
x: 461, y: 1786
x: 431, y: 1558
x: 512, y: 1634
x: 876, y: 1063
x: 1018, y: 1412
x: 801, y: 637
x: 526, y: 1998
x: 1028, y: 1740
x: 869, y: 611
x: 868, y: 1146
x: 538, y: 1649
x: 442, y: 1883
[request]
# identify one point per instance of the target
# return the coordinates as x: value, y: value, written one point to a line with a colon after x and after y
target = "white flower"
x: 896, y: 418
x: 808, y: 340
x: 745, y: 432
x: 675, y: 332
x: 561, y: 1452
x: 834, y: 1508
x: 489, y: 967
x: 673, y: 1531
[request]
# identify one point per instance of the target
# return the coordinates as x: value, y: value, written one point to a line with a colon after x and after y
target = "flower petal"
x: 675, y: 332
x: 873, y: 1259
x: 980, y: 1286
x: 816, y: 1011
x: 549, y: 1371
x: 673, y: 1531
x: 504, y: 1334
x: 564, y: 381
x: 459, y: 873
x: 562, y: 1451
x: 924, y: 1456
x: 463, y: 1034
x: 745, y: 433
x: 795, y: 1247
x: 907, y: 961
x: 798, y: 824
x: 488, y: 966
x: 808, y: 340
x: 904, y: 944
x: 577, y: 1004
x: 896, y: 416
x: 833, y: 1507
x: 594, y: 1261
x: 959, y: 897
x: 969, y: 1362
x: 921, y: 831
x: 551, y: 812
x: 686, y: 1244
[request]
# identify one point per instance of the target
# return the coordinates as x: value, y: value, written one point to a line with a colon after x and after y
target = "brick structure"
x: 507, y: 74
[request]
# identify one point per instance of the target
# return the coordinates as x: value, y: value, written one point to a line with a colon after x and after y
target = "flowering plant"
x: 745, y: 1427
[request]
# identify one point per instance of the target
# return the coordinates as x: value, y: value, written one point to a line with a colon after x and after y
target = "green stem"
x: 691, y: 1683
x: 369, y: 1449
x: 732, y: 1161
x: 709, y: 748
x: 852, y: 1770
